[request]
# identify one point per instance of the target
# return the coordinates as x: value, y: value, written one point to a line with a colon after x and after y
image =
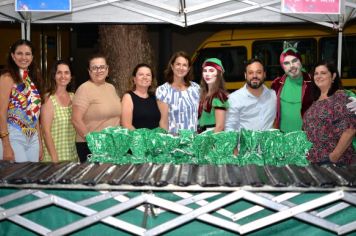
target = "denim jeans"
x: 25, y: 149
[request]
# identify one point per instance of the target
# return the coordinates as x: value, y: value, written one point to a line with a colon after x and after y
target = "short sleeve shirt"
x: 101, y: 106
x: 324, y: 122
x: 182, y: 106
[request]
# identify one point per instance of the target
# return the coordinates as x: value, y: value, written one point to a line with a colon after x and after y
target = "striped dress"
x: 63, y: 133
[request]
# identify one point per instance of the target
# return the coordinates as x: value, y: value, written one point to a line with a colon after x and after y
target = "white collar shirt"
x: 250, y: 112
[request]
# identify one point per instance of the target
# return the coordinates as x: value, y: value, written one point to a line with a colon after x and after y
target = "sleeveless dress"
x: 63, y: 133
x: 145, y: 112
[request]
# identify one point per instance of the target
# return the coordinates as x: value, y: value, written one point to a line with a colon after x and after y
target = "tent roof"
x: 179, y: 12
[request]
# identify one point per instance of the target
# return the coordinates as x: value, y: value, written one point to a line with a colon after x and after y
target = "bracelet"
x: 4, y: 134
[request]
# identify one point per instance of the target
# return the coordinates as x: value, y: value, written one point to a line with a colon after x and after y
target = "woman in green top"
x: 213, y: 99
x: 56, y: 114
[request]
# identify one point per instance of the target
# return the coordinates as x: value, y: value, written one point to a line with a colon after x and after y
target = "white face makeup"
x: 292, y: 66
x: 210, y: 74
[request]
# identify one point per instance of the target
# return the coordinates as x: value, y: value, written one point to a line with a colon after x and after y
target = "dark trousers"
x: 83, y: 151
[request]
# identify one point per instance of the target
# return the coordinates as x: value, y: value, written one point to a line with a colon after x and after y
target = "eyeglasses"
x: 98, y: 68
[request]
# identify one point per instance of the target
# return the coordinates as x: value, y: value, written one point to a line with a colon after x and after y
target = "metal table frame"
x: 280, y: 204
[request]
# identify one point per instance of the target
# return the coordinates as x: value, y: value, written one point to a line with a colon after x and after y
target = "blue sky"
x: 38, y: 5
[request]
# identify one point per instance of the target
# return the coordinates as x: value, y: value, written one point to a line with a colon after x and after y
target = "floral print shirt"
x: 324, y: 122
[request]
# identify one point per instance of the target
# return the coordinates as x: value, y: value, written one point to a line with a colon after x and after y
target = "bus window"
x: 233, y: 60
x: 328, y: 51
x: 329, y: 43
x: 348, y: 60
x: 269, y: 51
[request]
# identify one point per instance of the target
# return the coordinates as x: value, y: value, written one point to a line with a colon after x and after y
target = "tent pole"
x: 23, y: 30
x: 339, y: 51
x: 28, y: 29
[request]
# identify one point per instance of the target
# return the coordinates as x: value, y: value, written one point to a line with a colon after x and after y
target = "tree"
x: 124, y: 46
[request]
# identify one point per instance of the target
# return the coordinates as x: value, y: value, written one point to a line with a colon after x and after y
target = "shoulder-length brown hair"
x: 132, y: 85
x: 336, y: 85
x: 168, y: 73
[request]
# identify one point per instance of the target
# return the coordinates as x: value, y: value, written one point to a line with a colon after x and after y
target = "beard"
x: 254, y: 85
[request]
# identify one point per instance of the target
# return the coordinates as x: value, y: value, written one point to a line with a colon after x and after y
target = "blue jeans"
x: 25, y: 149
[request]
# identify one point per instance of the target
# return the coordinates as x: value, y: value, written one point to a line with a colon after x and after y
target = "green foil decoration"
x: 250, y: 150
x: 101, y: 143
x: 223, y: 147
x: 138, y: 145
x: 122, y: 146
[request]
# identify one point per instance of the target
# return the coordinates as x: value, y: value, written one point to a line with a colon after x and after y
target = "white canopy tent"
x: 183, y: 13
x: 179, y: 12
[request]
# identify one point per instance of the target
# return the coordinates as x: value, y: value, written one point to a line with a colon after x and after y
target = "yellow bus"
x: 234, y: 47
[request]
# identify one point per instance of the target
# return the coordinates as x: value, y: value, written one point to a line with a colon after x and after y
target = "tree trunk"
x: 124, y: 46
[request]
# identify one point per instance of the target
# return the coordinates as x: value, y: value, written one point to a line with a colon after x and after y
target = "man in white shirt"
x: 252, y: 107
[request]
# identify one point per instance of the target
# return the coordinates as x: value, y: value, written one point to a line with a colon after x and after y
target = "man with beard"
x: 252, y: 107
x: 294, y: 94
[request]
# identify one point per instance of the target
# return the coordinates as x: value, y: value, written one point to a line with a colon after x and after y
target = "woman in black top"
x: 139, y: 105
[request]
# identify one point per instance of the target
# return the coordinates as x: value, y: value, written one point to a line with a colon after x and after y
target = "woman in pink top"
x: 96, y: 104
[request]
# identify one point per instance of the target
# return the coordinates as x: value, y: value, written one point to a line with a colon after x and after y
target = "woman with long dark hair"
x: 20, y: 103
x: 56, y: 116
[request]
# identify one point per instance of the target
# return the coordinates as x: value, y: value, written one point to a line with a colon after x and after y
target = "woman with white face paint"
x: 213, y: 100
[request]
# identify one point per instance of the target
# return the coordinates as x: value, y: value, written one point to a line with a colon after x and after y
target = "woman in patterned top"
x: 56, y: 115
x: 20, y: 103
x: 213, y: 100
x: 178, y: 98
x: 329, y: 125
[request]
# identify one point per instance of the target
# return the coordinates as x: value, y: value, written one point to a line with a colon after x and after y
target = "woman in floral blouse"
x: 329, y: 125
